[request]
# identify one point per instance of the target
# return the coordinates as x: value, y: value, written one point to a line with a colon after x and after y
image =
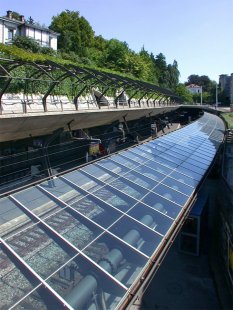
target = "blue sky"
x: 198, y: 34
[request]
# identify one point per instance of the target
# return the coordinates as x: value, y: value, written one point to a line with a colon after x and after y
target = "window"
x: 10, y: 34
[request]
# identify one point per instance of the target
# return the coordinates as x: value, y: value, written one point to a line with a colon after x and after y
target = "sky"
x: 197, y: 34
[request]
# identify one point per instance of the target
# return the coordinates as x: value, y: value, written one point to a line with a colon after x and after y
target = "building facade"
x: 194, y: 89
x: 226, y: 85
x: 10, y: 27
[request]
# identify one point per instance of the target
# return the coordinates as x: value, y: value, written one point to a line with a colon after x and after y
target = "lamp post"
x: 216, y: 104
x: 201, y: 95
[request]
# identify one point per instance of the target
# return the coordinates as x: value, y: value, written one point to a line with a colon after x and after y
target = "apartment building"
x: 11, y: 27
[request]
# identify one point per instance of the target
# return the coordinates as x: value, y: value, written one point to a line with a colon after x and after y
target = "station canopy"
x: 87, y: 239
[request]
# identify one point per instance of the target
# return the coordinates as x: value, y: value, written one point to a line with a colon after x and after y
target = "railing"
x: 34, y: 103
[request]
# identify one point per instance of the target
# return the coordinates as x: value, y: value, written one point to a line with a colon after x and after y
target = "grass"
x: 229, y: 119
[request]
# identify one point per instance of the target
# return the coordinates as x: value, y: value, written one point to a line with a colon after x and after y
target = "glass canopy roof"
x: 84, y: 239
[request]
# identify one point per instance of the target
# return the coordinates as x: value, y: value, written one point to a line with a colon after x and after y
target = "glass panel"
x: 112, y: 166
x: 37, y: 201
x: 141, y: 179
x: 99, y: 173
x: 172, y: 158
x: 78, y: 231
x: 11, y: 217
x: 62, y: 190
x: 166, y: 142
x: 189, y: 173
x: 202, y: 160
x: 150, y: 173
x: 171, y: 194
x: 15, y: 283
x: 162, y: 205
x: 153, y: 150
x: 158, y: 167
x: 129, y: 188
x: 144, y: 154
x: 184, y: 179
x: 193, y: 168
x: 137, y: 235
x: 125, y: 161
x: 177, y: 155
x: 84, y: 181
x: 134, y: 156
x: 181, y: 187
x: 165, y: 162
x: 196, y: 163
x: 97, y: 210
x: 40, y: 299
x: 39, y: 250
x: 208, y: 148
x: 161, y: 223
x: 182, y: 150
x: 158, y: 147
x: 116, y: 258
x: 206, y: 155
x: 84, y: 286
x: 115, y: 198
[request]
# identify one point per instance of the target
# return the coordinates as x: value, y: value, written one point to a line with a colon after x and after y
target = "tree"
x: 173, y: 75
x: 185, y: 95
x: 30, y: 21
x: 115, y: 53
x: 208, y: 87
x: 15, y: 15
x: 76, y: 34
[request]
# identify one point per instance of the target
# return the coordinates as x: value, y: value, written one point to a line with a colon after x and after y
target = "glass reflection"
x: 11, y: 217
x: 84, y: 286
x: 78, y: 231
x: 15, y: 282
x: 115, y: 257
x: 137, y: 235
x: 37, y: 201
x: 160, y: 223
x: 129, y: 188
x: 62, y: 190
x: 115, y: 198
x: 40, y: 251
x: 162, y: 205
x: 171, y: 194
x: 97, y: 210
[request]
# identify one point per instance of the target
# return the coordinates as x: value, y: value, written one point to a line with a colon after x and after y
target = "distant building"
x: 10, y: 27
x: 226, y: 85
x: 194, y: 89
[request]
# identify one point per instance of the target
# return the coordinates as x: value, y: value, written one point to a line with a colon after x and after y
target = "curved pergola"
x: 51, y: 75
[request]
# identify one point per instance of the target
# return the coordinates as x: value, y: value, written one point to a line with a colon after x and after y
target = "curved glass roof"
x: 84, y: 239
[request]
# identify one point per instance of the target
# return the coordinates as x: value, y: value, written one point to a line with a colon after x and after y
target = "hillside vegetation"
x: 78, y: 44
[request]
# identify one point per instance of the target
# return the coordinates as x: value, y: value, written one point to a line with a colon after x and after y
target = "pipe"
x: 82, y: 293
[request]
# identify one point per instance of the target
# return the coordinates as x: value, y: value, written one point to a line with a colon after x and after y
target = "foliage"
x: 208, y: 88
x: 229, y: 119
x: 15, y: 15
x: 30, y: 20
x: 27, y: 44
x: 185, y: 95
x: 76, y: 34
x: 32, y: 46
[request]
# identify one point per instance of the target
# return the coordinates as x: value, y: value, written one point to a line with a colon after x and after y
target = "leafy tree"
x: 115, y: 54
x: 161, y: 65
x: 173, y: 75
x: 208, y: 87
x: 185, y: 95
x: 76, y: 34
x: 15, y: 15
x: 30, y: 21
